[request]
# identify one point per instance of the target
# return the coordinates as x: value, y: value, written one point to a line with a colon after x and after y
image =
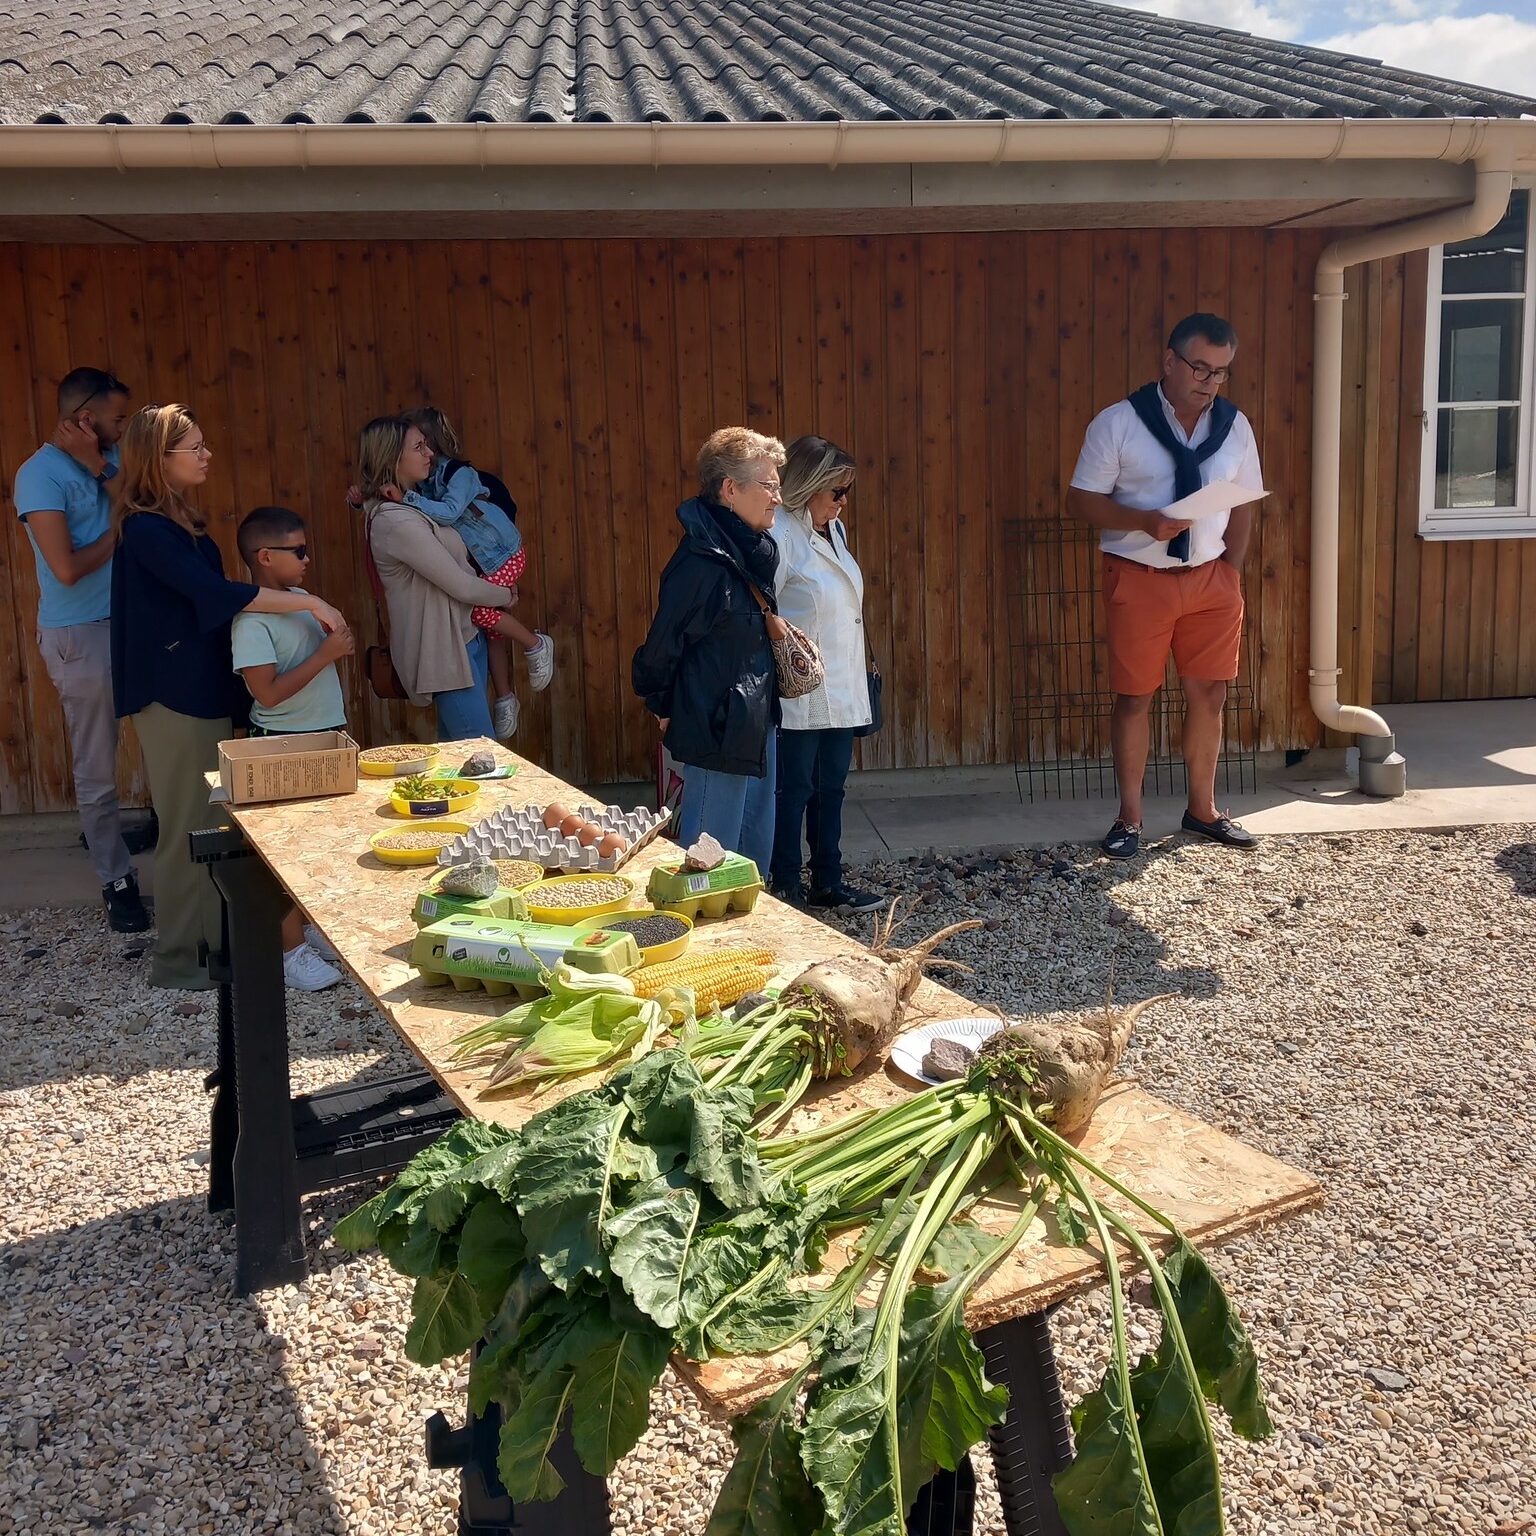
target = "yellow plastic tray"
x: 413, y: 855
x: 420, y: 764
x: 461, y: 796
x: 657, y: 954
x: 571, y: 916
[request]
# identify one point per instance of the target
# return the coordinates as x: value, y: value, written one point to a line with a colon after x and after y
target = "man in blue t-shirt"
x: 63, y: 500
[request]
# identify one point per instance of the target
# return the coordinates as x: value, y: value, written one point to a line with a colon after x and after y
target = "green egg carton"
x: 731, y: 886
x: 432, y: 906
x: 505, y: 955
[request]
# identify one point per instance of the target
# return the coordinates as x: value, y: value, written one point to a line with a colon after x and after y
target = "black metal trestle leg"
x: 1035, y: 1442
x: 224, y: 1117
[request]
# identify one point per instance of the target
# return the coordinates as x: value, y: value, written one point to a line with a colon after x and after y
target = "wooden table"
x: 1211, y: 1184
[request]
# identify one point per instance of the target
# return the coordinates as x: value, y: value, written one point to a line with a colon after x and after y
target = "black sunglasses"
x: 301, y: 550
x: 841, y: 493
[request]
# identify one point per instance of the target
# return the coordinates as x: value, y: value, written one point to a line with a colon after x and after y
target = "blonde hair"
x: 379, y: 446
x: 814, y: 464
x: 140, y: 485
x: 730, y: 453
x: 437, y: 429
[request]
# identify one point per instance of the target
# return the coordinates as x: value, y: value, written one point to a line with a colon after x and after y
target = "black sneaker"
x: 790, y: 895
x: 1121, y: 841
x: 125, y: 908
x: 847, y: 897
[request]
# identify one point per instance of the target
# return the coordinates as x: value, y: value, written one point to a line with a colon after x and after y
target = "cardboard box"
x: 286, y: 767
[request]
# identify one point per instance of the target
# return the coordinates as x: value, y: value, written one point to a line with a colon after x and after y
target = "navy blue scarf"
x: 1147, y: 402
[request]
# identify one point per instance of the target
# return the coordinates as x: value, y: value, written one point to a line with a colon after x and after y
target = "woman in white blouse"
x: 819, y: 588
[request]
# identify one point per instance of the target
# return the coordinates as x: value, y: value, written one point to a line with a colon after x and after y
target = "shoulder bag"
x: 796, y: 657
x: 876, y: 701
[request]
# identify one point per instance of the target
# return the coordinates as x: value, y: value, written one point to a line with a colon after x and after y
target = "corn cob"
x: 717, y: 978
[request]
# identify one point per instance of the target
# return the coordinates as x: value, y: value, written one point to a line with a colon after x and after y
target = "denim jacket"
x: 490, y: 536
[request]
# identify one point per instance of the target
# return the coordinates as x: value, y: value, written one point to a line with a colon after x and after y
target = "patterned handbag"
x: 796, y: 657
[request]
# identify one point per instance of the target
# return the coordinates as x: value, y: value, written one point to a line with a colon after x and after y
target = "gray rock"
x: 477, y: 763
x: 26, y: 1435
x: 476, y: 877
x: 1388, y: 1381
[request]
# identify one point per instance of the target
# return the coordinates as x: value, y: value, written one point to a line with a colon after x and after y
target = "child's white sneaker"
x: 321, y: 945
x: 305, y: 971
x: 504, y: 716
x: 541, y: 663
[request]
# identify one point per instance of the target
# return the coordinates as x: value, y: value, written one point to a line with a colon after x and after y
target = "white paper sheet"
x: 1218, y: 496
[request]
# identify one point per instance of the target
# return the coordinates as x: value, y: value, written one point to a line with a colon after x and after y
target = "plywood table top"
x: 1211, y: 1184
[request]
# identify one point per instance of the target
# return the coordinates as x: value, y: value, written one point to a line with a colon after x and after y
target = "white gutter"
x: 1382, y: 770
x: 107, y: 146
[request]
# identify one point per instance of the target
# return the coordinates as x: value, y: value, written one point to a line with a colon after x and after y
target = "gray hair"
x: 731, y: 454
x: 814, y: 464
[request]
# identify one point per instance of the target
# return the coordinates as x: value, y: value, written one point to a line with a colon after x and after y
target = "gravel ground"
x: 1360, y: 1006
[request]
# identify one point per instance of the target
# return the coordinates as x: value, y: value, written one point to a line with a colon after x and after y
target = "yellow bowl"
x: 376, y: 769
x: 656, y: 954
x: 415, y: 855
x: 461, y: 795
x: 570, y: 916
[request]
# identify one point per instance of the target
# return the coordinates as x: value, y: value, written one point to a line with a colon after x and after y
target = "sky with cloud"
x: 1453, y: 39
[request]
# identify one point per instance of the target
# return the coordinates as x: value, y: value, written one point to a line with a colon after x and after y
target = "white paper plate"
x: 908, y: 1050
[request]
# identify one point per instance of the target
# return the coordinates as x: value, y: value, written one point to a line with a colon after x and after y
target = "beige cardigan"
x: 430, y: 588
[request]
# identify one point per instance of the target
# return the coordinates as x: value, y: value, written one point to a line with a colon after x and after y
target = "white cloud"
x: 1495, y: 50
x: 1283, y: 18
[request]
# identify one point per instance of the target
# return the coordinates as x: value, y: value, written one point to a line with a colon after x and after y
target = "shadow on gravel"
x: 138, y: 1392
x: 1056, y: 909
x: 1518, y: 861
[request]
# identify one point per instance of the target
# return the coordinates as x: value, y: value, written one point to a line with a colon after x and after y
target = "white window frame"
x: 1518, y: 521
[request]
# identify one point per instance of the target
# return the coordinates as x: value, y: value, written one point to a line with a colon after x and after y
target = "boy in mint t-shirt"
x: 289, y: 665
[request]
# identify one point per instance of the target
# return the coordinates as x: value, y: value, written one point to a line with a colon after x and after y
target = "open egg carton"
x: 518, y: 832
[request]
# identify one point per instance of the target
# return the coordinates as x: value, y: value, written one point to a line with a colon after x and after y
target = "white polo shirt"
x: 1120, y: 458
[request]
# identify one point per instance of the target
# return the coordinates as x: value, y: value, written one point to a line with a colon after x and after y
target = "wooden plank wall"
x: 1436, y: 619
x: 960, y: 369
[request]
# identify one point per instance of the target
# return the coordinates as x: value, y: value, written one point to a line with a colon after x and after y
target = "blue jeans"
x: 813, y: 768
x: 463, y: 712
x: 736, y: 811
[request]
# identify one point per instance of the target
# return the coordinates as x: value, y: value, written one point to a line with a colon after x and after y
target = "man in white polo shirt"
x: 62, y: 498
x: 1171, y: 585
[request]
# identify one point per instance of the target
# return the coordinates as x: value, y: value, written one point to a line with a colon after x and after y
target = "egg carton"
x: 518, y: 832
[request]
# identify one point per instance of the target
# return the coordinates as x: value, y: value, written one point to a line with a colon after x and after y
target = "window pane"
x: 1493, y: 263
x: 1480, y: 349
x: 1475, y: 457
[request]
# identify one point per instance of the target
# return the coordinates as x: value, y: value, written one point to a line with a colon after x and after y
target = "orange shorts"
x: 1197, y: 614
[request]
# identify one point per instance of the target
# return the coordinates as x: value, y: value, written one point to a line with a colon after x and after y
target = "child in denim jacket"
x: 456, y: 495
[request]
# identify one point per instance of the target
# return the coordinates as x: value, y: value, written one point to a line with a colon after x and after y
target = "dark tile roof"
x: 562, y: 61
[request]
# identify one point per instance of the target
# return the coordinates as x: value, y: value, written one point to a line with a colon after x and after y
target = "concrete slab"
x: 1469, y: 764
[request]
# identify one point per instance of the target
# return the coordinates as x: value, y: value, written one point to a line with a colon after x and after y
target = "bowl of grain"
x: 393, y: 762
x: 415, y: 845
x: 569, y: 898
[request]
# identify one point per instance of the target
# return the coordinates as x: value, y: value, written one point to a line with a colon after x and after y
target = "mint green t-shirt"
x: 286, y: 639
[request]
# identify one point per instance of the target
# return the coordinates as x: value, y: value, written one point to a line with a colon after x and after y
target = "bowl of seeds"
x: 569, y: 898
x: 514, y: 874
x: 415, y: 845
x: 661, y: 936
x: 393, y: 762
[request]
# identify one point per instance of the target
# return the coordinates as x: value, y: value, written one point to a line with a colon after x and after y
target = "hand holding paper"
x: 1218, y: 496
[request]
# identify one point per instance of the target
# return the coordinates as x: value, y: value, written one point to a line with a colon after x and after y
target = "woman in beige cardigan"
x: 428, y: 582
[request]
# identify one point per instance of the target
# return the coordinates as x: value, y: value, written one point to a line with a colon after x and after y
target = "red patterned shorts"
x: 506, y: 576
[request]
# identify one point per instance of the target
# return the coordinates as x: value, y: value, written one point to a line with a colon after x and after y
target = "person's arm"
x: 459, y: 496
x: 413, y: 544
x: 683, y: 615
x: 1090, y: 496
x: 269, y: 687
x: 1105, y: 512
x: 50, y: 532
x: 1250, y: 476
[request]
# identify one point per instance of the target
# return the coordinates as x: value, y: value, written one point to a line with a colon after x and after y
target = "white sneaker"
x: 541, y: 663
x: 321, y: 945
x: 305, y: 971
x: 504, y: 717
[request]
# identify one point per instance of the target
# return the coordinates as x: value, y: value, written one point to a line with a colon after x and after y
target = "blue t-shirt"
x: 284, y: 640
x: 52, y: 481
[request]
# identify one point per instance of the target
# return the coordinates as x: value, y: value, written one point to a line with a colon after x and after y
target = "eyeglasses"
x: 200, y: 448
x: 301, y: 550
x: 1203, y: 373
x: 841, y: 493
x: 771, y: 486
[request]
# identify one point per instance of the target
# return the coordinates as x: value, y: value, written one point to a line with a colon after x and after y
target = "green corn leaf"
x: 1180, y: 1455
x: 528, y: 1435
x: 447, y: 1316
x: 650, y: 1239
x: 1218, y: 1343
x: 766, y: 1491
x: 491, y: 1245
x: 1102, y: 1491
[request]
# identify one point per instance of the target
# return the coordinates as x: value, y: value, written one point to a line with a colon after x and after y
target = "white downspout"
x: 1382, y: 770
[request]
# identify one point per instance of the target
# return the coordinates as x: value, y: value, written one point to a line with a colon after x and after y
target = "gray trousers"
x: 79, y: 660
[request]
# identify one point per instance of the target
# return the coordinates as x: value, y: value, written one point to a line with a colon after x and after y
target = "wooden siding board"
x: 979, y: 545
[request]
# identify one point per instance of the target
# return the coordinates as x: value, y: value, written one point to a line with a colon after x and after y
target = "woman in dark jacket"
x: 706, y: 669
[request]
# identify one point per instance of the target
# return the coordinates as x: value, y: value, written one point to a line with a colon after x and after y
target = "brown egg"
x: 611, y: 843
x: 571, y: 826
x: 554, y: 815
x: 587, y: 834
